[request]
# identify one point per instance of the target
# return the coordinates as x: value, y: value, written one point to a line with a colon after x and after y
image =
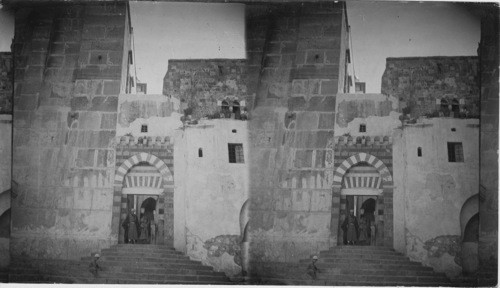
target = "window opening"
x: 236, y: 110
x: 200, y: 152
x: 144, y: 128
x: 455, y: 107
x: 444, y: 107
x: 455, y: 152
x: 235, y: 153
x: 419, y: 151
x: 362, y: 128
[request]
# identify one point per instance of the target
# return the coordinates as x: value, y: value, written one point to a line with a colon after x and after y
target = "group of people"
x: 360, y: 230
x: 140, y: 231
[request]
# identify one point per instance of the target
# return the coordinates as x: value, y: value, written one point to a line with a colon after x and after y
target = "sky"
x: 379, y: 30
x: 175, y: 30
x: 399, y: 29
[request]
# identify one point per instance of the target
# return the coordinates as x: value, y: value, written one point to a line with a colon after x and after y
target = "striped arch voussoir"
x: 136, y: 159
x: 361, y: 157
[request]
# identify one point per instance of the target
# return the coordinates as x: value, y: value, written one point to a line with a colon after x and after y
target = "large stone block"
x: 321, y: 104
x: 106, y: 104
x: 307, y: 121
x: 316, y: 72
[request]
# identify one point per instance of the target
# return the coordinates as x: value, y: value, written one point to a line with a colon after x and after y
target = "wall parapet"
x: 363, y: 141
x: 156, y: 142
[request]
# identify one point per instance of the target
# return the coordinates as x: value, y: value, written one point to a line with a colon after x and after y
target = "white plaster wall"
x: 5, y: 179
x: 148, y: 108
x: 376, y: 125
x: 213, y: 190
x: 434, y: 189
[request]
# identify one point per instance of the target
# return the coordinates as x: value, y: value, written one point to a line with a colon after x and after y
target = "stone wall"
x: 291, y: 130
x: 431, y: 190
x: 488, y: 190
x: 421, y: 84
x: 6, y: 82
x: 210, y: 192
x: 202, y: 85
x: 6, y: 92
x: 68, y: 61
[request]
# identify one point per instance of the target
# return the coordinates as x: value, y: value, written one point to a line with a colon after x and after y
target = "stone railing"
x: 364, y: 141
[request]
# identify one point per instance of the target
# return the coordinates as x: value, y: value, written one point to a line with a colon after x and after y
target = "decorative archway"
x: 385, y: 193
x: 362, y: 157
x: 161, y: 183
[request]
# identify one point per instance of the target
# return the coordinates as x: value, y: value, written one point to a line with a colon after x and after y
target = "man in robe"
x: 132, y: 223
x: 350, y: 227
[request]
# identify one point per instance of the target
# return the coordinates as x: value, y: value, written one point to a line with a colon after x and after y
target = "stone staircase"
x: 122, y: 264
x: 352, y: 266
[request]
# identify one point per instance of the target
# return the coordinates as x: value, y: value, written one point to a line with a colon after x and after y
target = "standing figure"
x: 350, y: 227
x: 153, y: 227
x: 132, y: 223
x: 144, y: 229
x: 312, y: 269
x: 94, y: 266
x: 363, y: 228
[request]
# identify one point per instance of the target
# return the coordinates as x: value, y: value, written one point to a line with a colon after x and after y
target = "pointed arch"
x: 138, y: 158
x: 363, y: 157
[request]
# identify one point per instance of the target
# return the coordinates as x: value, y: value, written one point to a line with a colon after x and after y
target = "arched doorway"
x: 360, y: 191
x: 364, y: 185
x: 146, y: 185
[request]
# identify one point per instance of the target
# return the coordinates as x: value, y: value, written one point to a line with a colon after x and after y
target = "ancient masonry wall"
x: 202, y: 85
x: 421, y: 83
x: 6, y: 91
x: 68, y: 75
x: 291, y: 130
x: 488, y: 190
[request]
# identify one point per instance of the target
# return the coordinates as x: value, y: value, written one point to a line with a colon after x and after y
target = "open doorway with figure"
x: 359, y: 226
x: 360, y: 193
x: 143, y: 206
x: 140, y: 226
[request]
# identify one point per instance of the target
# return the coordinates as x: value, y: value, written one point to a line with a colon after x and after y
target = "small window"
x: 200, y: 152
x: 225, y: 106
x: 455, y: 152
x: 144, y: 128
x: 419, y: 151
x: 362, y: 128
x: 235, y: 153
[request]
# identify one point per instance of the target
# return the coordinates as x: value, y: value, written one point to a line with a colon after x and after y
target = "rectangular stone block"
x: 326, y: 120
x: 329, y: 87
x: 98, y: 58
x: 107, y: 104
x: 303, y: 158
x: 108, y: 120
x: 320, y: 159
x: 316, y: 72
x: 321, y: 104
x: 93, y: 32
x: 307, y: 121
x: 111, y: 88
x: 85, y: 158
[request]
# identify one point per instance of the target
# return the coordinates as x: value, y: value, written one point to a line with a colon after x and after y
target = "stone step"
x: 345, y: 261
x: 145, y: 253
x: 362, y: 256
x: 322, y: 282
x: 357, y: 259
x: 106, y: 258
x: 32, y: 278
x: 142, y: 247
x: 161, y: 277
x: 187, y: 265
